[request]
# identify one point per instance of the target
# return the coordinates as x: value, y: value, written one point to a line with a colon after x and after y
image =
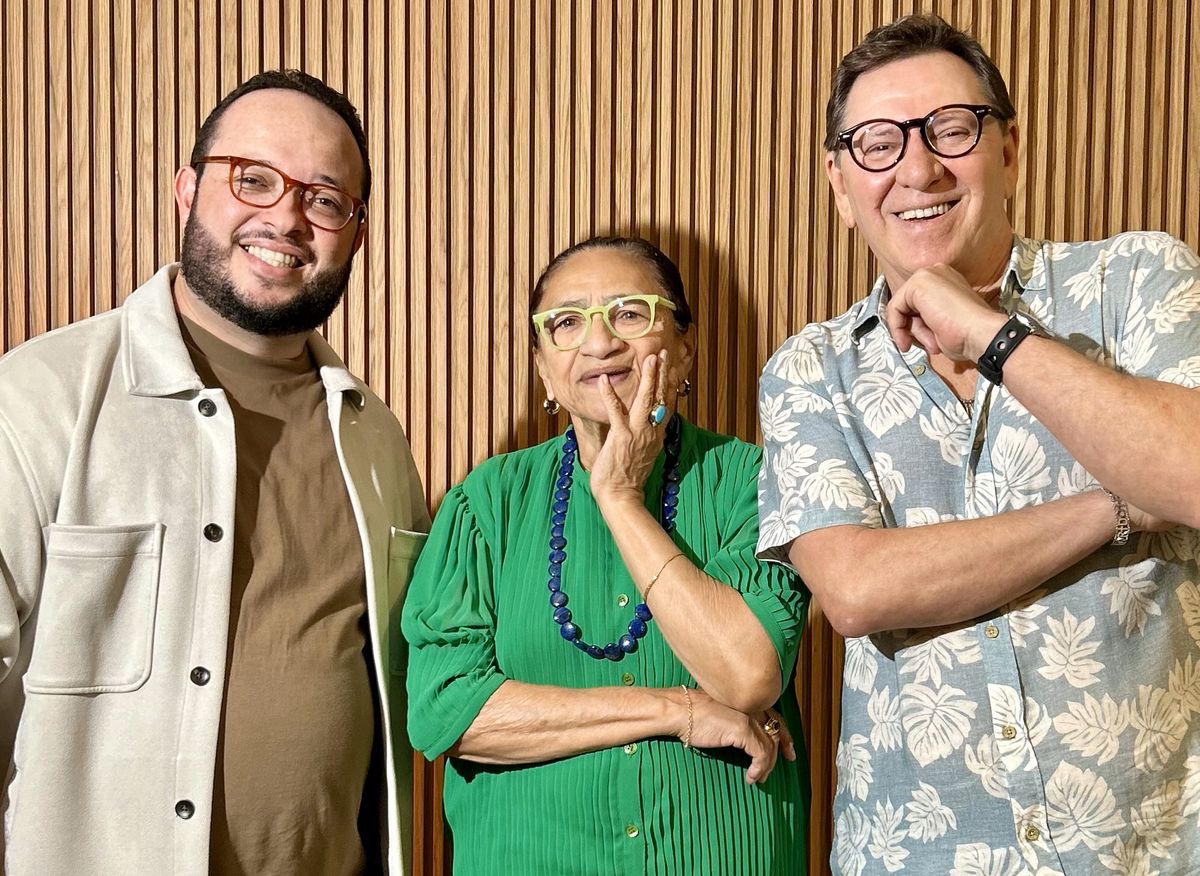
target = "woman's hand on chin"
x: 625, y: 459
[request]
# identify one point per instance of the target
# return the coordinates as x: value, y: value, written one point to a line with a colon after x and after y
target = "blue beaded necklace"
x: 567, y: 628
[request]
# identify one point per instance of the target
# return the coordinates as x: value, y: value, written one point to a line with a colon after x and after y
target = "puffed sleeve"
x: 449, y: 621
x: 772, y: 591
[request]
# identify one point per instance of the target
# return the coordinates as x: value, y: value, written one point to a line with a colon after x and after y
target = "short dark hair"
x: 908, y: 37
x: 290, y: 80
x: 665, y: 271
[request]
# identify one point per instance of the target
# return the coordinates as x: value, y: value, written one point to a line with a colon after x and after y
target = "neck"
x: 188, y: 304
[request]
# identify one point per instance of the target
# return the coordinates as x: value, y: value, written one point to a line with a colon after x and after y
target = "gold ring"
x: 771, y: 727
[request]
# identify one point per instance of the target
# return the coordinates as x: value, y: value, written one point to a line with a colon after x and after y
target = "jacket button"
x: 208, y: 407
x: 185, y: 809
x: 213, y: 532
x: 200, y: 676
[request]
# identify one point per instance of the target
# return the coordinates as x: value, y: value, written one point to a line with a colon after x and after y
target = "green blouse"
x: 478, y: 613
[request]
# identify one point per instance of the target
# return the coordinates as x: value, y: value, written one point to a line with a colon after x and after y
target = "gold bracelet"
x: 654, y: 580
x: 687, y: 695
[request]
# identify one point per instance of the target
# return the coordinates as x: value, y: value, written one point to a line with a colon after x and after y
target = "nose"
x: 600, y: 342
x: 287, y: 214
x: 919, y: 168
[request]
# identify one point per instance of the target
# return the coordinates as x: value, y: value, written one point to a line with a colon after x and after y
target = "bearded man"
x: 206, y: 525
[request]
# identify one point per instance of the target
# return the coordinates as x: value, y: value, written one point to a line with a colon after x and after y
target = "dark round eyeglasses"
x: 948, y: 132
x: 260, y: 185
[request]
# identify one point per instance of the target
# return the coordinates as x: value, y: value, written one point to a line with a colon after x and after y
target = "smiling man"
x: 987, y: 473
x: 206, y: 526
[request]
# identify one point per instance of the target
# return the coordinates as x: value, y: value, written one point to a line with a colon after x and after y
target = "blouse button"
x: 631, y: 748
x: 991, y: 631
x: 208, y: 407
x: 185, y: 809
x: 1032, y: 834
x: 213, y: 532
x: 631, y: 831
x: 200, y: 676
x: 627, y: 678
x: 622, y: 600
x: 918, y: 369
x: 1008, y: 731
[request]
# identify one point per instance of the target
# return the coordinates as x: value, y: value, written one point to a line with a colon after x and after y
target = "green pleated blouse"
x: 478, y: 613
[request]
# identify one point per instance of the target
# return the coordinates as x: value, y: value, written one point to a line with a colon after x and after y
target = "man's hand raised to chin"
x: 937, y: 309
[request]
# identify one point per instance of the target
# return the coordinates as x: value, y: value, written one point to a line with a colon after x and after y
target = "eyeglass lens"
x: 950, y: 133
x: 625, y: 318
x: 262, y: 186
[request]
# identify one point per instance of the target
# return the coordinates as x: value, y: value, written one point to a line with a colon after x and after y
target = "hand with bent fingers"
x: 632, y: 444
x: 718, y: 726
x: 938, y: 310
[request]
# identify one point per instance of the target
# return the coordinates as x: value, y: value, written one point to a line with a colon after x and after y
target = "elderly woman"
x: 593, y: 643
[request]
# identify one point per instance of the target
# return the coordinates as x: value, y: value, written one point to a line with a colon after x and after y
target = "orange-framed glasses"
x: 260, y: 185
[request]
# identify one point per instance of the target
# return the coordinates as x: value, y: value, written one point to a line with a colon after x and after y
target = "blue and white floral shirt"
x: 1061, y: 733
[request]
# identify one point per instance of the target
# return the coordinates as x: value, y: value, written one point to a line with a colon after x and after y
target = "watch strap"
x: 991, y: 363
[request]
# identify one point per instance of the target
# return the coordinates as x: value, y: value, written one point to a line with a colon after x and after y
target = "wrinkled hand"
x: 938, y: 310
x: 632, y: 444
x: 717, y: 726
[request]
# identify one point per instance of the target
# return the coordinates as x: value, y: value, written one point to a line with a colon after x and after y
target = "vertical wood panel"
x: 502, y: 130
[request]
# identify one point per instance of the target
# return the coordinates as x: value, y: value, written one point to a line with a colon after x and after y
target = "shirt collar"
x: 1025, y: 271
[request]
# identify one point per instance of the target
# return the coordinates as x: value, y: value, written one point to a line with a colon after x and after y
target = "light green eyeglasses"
x: 629, y: 317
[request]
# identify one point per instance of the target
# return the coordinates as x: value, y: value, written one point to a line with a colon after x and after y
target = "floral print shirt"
x: 1060, y: 733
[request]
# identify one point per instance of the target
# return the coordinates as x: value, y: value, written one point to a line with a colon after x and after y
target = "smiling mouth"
x: 273, y: 258
x: 926, y: 212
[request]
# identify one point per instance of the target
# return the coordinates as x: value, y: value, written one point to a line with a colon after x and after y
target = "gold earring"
x: 550, y: 406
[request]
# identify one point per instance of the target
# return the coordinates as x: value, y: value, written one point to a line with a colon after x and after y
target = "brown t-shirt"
x: 298, y: 725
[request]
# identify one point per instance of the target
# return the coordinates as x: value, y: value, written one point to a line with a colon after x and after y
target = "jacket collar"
x: 156, y: 361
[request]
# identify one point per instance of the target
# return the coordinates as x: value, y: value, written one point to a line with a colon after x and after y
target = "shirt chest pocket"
x: 403, y: 551
x: 95, y: 623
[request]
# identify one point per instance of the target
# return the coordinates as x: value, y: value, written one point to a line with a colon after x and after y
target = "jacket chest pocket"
x: 403, y: 551
x: 95, y: 622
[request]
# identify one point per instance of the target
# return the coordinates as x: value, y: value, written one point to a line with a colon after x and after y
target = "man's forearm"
x: 869, y: 580
x: 1136, y: 436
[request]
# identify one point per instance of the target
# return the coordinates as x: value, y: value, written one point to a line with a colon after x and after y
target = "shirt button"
x: 200, y: 676
x: 631, y: 831
x: 1008, y: 731
x: 627, y: 678
x: 622, y: 600
x: 918, y: 369
x: 213, y: 532
x: 631, y: 748
x: 208, y: 407
x: 991, y: 631
x: 185, y: 809
x: 1032, y: 834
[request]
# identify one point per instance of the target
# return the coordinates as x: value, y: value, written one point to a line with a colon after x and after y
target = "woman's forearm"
x: 706, y: 622
x: 531, y: 723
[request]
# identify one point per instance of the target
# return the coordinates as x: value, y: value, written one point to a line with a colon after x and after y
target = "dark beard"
x: 201, y: 256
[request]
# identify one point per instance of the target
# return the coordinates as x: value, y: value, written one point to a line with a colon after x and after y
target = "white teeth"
x: 925, y: 212
x: 278, y: 259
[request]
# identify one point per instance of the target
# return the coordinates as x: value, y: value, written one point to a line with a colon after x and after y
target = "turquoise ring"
x: 657, y: 414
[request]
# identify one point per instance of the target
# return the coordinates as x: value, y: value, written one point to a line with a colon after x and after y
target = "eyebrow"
x: 582, y: 304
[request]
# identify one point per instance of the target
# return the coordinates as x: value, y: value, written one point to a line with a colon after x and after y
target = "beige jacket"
x: 113, y: 465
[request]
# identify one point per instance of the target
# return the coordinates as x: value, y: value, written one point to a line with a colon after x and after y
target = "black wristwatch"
x: 1017, y: 329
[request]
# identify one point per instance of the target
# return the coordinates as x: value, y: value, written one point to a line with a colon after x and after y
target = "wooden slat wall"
x: 502, y: 131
